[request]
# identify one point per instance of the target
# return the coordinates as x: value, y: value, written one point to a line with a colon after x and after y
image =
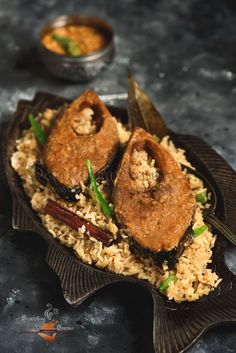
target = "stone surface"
x: 183, y: 54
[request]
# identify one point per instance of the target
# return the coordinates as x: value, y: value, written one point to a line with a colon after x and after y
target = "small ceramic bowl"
x: 80, y: 68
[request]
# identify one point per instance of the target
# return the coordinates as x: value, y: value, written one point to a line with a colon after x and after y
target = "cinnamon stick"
x: 64, y: 215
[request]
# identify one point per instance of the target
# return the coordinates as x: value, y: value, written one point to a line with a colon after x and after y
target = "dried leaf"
x: 142, y: 111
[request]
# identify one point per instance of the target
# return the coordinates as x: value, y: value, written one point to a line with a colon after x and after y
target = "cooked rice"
x: 83, y: 122
x: 123, y: 132
x: 194, y: 278
x: 177, y: 153
x: 143, y: 170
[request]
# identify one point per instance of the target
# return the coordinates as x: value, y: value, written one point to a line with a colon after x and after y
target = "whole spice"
x: 165, y: 284
x: 38, y: 131
x: 199, y: 230
x: 75, y: 222
x: 104, y: 205
x: 71, y: 48
x: 201, y: 198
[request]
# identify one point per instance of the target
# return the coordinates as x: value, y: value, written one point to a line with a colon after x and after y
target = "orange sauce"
x: 88, y: 38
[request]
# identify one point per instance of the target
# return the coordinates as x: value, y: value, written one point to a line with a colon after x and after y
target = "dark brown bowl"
x: 82, y: 68
x: 175, y: 326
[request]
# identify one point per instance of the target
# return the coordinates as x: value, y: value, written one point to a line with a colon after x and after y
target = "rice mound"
x: 194, y: 278
x: 143, y: 170
x: 83, y: 122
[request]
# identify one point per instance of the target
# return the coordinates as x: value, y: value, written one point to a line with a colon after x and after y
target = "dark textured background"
x: 184, y: 55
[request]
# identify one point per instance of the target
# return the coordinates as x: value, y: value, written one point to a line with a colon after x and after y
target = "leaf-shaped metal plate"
x: 5, y: 202
x: 175, y: 326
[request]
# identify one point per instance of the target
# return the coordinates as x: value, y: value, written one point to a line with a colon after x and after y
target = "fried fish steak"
x: 84, y: 130
x: 156, y: 218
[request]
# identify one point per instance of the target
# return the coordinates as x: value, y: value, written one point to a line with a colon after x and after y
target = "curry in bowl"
x: 74, y: 40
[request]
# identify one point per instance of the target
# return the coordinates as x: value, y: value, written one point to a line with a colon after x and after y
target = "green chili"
x: 165, y: 284
x: 38, y: 131
x: 201, y: 197
x: 71, y: 48
x: 199, y: 230
x: 104, y: 205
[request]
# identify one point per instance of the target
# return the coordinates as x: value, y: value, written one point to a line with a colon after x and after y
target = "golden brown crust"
x: 156, y: 218
x: 65, y: 151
